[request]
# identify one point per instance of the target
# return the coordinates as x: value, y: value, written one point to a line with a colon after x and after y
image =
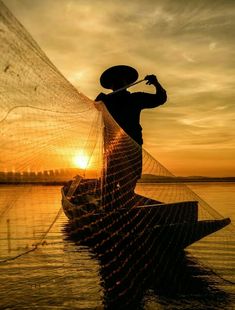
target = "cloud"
x: 188, y: 44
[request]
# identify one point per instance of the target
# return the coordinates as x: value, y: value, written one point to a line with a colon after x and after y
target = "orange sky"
x: 188, y: 45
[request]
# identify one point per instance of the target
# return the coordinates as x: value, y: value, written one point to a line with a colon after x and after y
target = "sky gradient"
x: 189, y: 45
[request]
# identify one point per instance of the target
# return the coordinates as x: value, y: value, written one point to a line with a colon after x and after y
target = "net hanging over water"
x: 48, y: 129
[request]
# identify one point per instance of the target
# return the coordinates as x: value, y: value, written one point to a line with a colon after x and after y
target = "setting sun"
x: 81, y: 160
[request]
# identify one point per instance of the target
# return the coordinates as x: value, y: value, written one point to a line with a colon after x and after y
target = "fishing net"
x: 51, y: 134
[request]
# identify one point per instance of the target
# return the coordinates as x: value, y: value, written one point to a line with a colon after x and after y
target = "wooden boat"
x: 175, y: 223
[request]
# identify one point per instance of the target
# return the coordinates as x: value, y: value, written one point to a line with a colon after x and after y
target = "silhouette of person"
x: 126, y: 107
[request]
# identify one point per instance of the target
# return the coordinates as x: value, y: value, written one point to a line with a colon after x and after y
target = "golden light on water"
x: 81, y: 160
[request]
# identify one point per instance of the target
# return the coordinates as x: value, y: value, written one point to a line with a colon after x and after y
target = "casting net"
x: 53, y: 134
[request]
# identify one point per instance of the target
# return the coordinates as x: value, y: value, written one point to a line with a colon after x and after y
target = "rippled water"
x: 63, y: 274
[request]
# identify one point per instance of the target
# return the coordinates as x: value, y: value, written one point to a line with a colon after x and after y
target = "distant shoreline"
x: 61, y: 177
x: 193, y: 179
x: 145, y: 179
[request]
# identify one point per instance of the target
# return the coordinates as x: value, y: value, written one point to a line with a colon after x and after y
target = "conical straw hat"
x: 117, y: 73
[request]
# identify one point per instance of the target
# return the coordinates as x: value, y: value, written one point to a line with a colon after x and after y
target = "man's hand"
x: 98, y: 106
x: 151, y: 80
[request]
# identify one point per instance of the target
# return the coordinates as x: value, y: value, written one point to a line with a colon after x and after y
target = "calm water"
x: 63, y: 274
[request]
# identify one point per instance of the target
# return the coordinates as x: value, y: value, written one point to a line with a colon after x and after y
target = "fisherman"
x: 125, y: 107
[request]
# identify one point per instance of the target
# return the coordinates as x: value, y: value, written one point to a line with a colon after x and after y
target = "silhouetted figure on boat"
x: 125, y: 108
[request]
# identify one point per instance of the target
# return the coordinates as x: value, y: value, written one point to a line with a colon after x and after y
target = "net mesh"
x: 51, y: 133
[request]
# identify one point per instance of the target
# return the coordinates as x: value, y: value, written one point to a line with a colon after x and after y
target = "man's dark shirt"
x: 125, y: 108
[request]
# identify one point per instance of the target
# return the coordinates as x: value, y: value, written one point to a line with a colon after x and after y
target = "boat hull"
x: 174, y: 224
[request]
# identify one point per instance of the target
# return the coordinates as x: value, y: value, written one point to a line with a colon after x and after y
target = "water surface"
x: 61, y: 273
